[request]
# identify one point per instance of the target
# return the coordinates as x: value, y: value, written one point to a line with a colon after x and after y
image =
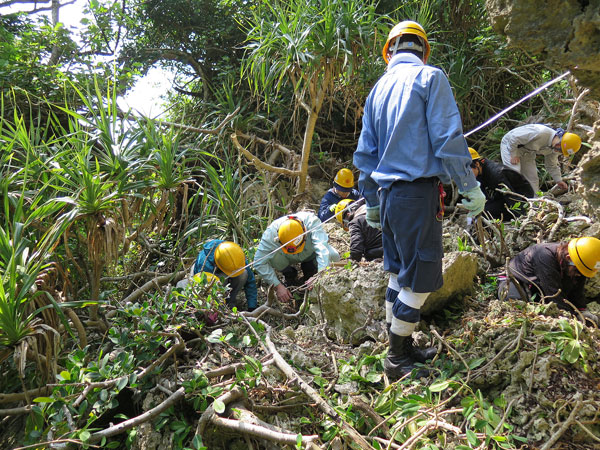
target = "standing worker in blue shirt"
x: 226, y: 258
x: 343, y: 188
x: 411, y: 141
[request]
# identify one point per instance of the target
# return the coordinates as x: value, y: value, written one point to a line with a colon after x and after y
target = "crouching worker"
x: 227, y: 259
x: 294, y: 239
x: 343, y: 188
x: 556, y: 271
x: 492, y: 176
x: 365, y: 240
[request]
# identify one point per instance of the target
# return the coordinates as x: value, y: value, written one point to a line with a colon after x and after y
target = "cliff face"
x: 565, y: 32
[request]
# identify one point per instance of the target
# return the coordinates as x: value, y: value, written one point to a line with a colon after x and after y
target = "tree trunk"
x: 317, y: 90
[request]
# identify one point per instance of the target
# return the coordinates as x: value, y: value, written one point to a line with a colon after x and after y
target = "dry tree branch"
x: 209, y: 413
x: 353, y: 435
x: 216, y: 130
x: 261, y: 432
x: 258, y: 163
x: 15, y: 411
x: 109, y: 383
x: 432, y: 424
x: 49, y: 444
x: 138, y: 420
x: 19, y: 396
x: 175, y: 276
x: 564, y: 426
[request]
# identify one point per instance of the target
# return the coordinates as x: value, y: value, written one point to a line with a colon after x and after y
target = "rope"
x: 518, y: 102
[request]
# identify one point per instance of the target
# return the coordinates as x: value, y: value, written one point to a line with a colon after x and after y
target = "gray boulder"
x: 351, y: 300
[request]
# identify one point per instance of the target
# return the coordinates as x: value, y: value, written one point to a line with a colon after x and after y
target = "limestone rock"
x: 350, y: 299
x: 589, y: 173
x: 459, y: 270
x: 565, y: 32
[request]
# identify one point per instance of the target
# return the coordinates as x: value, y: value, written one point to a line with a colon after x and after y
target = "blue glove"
x: 373, y: 217
x: 476, y: 201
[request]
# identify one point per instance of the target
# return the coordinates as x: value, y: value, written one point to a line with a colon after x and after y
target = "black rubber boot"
x: 422, y: 354
x: 399, y: 361
x: 417, y: 353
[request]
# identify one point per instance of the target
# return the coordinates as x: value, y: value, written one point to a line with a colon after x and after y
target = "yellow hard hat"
x: 407, y: 27
x: 291, y: 235
x: 210, y: 278
x: 344, y: 180
x: 585, y: 254
x: 474, y: 154
x: 570, y: 144
x: 229, y: 257
x: 341, y: 205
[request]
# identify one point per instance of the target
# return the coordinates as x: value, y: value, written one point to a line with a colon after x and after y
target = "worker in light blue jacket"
x: 227, y: 259
x: 303, y: 241
x: 411, y: 141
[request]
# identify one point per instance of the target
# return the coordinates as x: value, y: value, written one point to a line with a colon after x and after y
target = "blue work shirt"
x: 331, y: 198
x: 265, y: 262
x: 411, y: 129
x: 205, y: 262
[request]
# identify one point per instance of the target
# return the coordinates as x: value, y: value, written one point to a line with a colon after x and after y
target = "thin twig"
x: 564, y: 426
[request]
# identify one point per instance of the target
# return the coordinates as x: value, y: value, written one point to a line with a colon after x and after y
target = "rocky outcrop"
x: 353, y: 299
x: 565, y: 32
x: 589, y: 174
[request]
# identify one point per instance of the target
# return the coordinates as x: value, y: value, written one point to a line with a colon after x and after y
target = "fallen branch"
x: 432, y: 424
x: 259, y: 164
x: 209, y: 413
x: 564, y: 426
x: 17, y: 397
x: 261, y: 432
x: 15, y: 411
x: 213, y: 131
x: 109, y: 383
x: 353, y: 435
x: 138, y: 420
x: 176, y: 276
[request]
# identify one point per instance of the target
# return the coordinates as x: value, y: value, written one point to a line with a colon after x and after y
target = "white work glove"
x: 476, y: 201
x: 373, y: 219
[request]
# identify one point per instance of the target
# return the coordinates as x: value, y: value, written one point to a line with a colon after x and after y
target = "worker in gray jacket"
x: 520, y: 146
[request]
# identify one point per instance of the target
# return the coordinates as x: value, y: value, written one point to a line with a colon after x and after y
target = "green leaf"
x: 64, y: 375
x: 219, y: 406
x: 43, y: 400
x: 215, y: 336
x: 439, y: 386
x: 85, y: 436
x: 121, y: 383
x: 474, y: 363
x: 315, y: 370
x: 472, y: 438
x: 374, y: 377
x: 572, y: 351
